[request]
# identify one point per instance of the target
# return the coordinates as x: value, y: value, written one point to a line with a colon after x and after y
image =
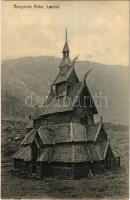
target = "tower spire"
x: 66, y: 60
x: 66, y: 47
x: 66, y: 35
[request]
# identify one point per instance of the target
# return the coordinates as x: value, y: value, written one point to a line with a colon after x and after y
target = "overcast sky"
x: 97, y: 31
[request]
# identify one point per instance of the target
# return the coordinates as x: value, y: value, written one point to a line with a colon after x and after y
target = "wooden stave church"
x: 62, y: 139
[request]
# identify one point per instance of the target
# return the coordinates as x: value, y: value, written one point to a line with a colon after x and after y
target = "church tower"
x: 66, y: 62
x: 67, y: 76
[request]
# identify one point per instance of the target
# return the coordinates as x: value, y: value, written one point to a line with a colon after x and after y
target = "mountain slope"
x: 32, y: 75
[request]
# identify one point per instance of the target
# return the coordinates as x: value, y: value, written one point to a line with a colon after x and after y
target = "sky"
x: 97, y: 30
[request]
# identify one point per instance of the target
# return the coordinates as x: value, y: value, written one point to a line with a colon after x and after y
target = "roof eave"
x: 46, y: 114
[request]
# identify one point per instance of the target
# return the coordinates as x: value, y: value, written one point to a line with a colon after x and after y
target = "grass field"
x: 112, y: 185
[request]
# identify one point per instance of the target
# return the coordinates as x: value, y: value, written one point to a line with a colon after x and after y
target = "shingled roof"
x: 67, y: 132
x: 62, y: 153
x: 72, y: 153
x: 64, y: 75
x: 58, y: 105
x: 75, y: 132
x: 92, y: 130
x: 62, y: 133
x: 24, y: 153
x: 46, y: 135
x: 78, y: 152
x: 116, y: 153
x: 65, y: 62
x: 46, y: 155
x: 29, y: 138
x: 63, y: 104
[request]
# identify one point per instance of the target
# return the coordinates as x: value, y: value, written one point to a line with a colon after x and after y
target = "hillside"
x: 23, y: 76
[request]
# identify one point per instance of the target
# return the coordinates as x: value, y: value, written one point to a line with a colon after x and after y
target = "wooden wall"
x: 66, y: 170
x: 63, y: 170
x: 56, y: 118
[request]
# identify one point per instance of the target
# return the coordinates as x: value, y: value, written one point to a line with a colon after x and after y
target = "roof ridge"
x: 78, y: 93
x: 98, y: 131
x: 108, y: 143
x: 89, y: 155
x: 98, y: 153
x: 28, y: 135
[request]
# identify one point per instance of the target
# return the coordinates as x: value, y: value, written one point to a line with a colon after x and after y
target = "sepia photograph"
x: 65, y: 100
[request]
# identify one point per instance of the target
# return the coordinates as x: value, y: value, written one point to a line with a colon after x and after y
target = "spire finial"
x: 86, y: 74
x: 74, y: 60
x: 66, y: 35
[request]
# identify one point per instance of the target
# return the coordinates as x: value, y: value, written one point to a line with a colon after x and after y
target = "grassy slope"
x: 110, y: 185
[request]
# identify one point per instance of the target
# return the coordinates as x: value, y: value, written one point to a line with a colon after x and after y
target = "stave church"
x: 62, y: 139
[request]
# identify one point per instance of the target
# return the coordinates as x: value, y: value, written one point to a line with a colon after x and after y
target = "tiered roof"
x: 74, y: 91
x: 68, y: 142
x: 64, y: 103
